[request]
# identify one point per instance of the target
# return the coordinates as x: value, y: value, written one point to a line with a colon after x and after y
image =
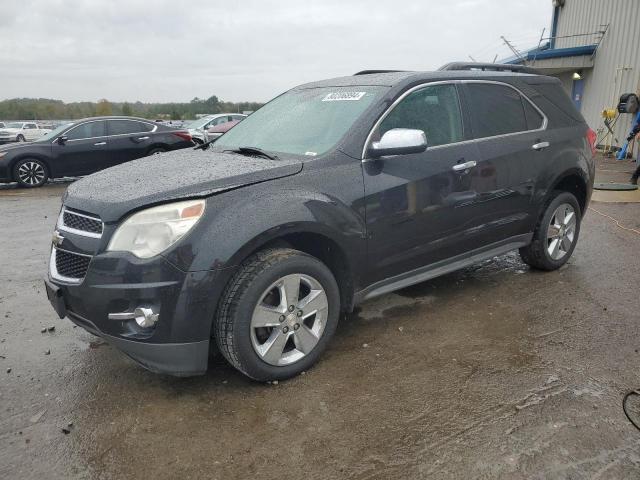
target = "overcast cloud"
x: 169, y: 50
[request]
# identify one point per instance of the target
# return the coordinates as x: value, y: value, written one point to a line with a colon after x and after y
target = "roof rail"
x: 496, y: 67
x: 369, y: 72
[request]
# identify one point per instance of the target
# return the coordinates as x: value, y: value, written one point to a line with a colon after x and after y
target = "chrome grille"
x: 80, y: 223
x: 70, y: 265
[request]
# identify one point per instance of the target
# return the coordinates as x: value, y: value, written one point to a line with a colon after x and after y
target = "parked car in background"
x: 218, y: 130
x: 86, y: 146
x: 331, y: 194
x: 198, y: 128
x: 2, y: 125
x: 21, y: 132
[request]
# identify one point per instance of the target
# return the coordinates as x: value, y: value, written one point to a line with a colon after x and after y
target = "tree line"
x: 49, y: 109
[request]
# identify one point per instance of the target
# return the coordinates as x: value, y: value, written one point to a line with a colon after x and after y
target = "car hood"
x: 10, y: 130
x: 116, y: 191
x: 15, y: 146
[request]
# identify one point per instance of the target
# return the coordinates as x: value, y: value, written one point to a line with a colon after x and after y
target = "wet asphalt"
x: 495, y: 371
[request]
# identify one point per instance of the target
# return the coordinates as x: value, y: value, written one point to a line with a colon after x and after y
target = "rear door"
x: 509, y: 132
x: 129, y: 139
x: 84, y: 151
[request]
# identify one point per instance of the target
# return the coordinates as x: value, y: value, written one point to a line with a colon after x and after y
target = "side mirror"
x: 399, y: 141
x: 62, y: 140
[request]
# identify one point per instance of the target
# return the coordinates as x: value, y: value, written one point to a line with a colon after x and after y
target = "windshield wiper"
x: 253, y: 151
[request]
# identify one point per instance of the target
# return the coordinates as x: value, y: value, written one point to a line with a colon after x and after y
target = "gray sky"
x: 171, y: 50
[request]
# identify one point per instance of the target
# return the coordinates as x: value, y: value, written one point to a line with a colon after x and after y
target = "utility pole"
x: 511, y: 47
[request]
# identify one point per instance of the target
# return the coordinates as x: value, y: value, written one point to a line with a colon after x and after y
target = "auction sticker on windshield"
x: 343, y: 96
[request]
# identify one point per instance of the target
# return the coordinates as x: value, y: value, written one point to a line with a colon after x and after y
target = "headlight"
x: 152, y: 231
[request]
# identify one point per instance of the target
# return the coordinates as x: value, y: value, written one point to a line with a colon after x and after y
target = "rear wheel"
x: 30, y: 173
x: 277, y: 314
x: 556, y: 234
x: 156, y: 151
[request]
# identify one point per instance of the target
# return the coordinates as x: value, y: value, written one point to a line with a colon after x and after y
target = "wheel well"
x: 574, y: 184
x: 156, y: 146
x: 325, y: 250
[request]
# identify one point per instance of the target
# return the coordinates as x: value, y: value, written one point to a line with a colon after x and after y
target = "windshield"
x: 14, y: 125
x: 301, y: 122
x: 55, y: 132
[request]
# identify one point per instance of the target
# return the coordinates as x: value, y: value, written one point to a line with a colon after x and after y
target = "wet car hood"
x: 14, y: 146
x: 114, y: 192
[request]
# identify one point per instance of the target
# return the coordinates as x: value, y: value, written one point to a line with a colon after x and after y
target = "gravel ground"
x: 495, y: 371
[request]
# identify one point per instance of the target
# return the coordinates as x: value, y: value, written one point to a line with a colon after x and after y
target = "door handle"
x: 459, y: 167
x: 143, y: 138
x: 100, y: 144
x: 540, y: 145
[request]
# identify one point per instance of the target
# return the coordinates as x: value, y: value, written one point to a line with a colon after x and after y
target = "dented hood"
x: 188, y: 173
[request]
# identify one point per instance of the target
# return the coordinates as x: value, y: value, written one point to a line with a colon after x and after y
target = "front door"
x: 415, y: 203
x: 85, y: 150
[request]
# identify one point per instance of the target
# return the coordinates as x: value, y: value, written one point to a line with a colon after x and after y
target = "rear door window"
x: 534, y: 119
x: 126, y: 127
x: 433, y: 109
x: 495, y: 110
x: 87, y: 130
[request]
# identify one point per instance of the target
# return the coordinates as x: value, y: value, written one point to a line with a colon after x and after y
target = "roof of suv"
x: 390, y: 79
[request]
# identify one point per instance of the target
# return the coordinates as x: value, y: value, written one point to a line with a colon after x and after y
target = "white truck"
x: 21, y: 132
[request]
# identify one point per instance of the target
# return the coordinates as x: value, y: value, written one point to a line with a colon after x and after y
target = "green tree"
x: 126, y: 109
x: 103, y: 108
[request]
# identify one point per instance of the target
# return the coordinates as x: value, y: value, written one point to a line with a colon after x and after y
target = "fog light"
x: 145, y: 317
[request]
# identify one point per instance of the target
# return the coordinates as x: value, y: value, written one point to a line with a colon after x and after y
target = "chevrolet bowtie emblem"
x: 57, y: 239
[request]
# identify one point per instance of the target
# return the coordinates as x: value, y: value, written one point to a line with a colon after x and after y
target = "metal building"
x: 593, y: 46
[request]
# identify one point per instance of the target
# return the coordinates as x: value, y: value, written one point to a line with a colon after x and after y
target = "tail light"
x: 183, y: 135
x: 591, y: 140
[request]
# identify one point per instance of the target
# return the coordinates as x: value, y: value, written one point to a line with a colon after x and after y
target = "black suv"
x: 333, y: 193
x: 86, y: 146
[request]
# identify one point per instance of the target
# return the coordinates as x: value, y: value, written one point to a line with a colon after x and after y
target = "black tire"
x: 232, y: 325
x: 156, y: 151
x: 197, y: 141
x: 537, y: 254
x: 20, y: 138
x: 30, y: 173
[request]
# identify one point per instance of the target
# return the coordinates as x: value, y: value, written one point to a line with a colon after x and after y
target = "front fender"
x: 239, y: 222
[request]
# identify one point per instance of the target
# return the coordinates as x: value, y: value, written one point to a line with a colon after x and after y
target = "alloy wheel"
x: 31, y: 173
x: 561, y: 232
x: 289, y: 320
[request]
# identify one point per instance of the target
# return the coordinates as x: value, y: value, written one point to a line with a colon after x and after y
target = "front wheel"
x: 277, y: 314
x: 20, y: 138
x: 30, y: 173
x: 556, y: 234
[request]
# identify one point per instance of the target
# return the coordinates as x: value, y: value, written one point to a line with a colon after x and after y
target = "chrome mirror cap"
x: 398, y: 141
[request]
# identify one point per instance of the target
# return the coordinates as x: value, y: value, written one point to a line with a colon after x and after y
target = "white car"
x: 198, y: 127
x: 21, y: 132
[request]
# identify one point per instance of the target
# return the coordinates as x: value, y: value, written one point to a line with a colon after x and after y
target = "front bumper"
x: 179, y: 359
x: 115, y: 282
